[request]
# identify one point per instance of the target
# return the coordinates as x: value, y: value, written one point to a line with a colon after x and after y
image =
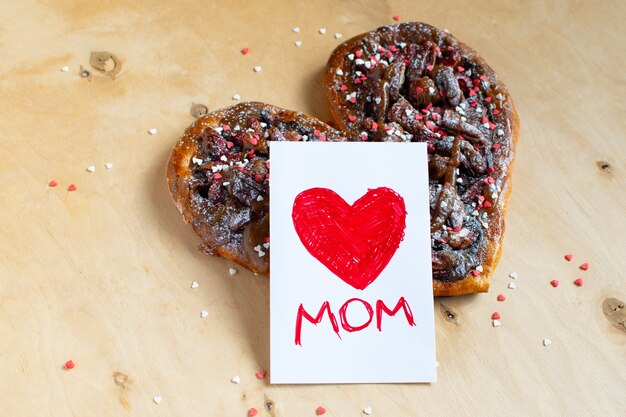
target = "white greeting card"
x: 351, y: 297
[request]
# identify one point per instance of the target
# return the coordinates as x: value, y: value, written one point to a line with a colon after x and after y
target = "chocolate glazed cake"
x: 414, y: 82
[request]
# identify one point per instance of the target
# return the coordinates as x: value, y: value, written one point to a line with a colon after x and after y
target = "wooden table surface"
x: 102, y: 275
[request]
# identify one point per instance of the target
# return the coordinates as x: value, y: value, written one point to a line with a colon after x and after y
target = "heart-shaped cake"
x: 399, y: 83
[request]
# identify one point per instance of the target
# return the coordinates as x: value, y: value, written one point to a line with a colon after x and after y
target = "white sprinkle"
x: 266, y: 245
x: 431, y: 90
x: 459, y: 180
x: 500, y: 132
x: 235, y: 379
x: 236, y: 97
x: 296, y: 29
x: 475, y: 213
x: 261, y: 254
x: 298, y: 43
x: 257, y: 248
x: 499, y: 96
x: 65, y: 69
x: 226, y: 183
x: 446, y: 30
x: 513, y: 275
x: 547, y: 342
x: 157, y: 399
x: 195, y: 285
x: 402, y: 45
x: 197, y: 161
x: 322, y: 31
x: 258, y: 68
x: 339, y: 71
x: 260, y: 198
x: 495, y: 323
x: 512, y: 285
x: 359, y: 61
x: 377, y: 100
x: 152, y: 131
x: 108, y: 165
x: 232, y: 271
x: 367, y: 411
x: 351, y: 57
x: 338, y: 35
x: 204, y: 314
x: 91, y: 168
x: 223, y: 158
x: 479, y: 268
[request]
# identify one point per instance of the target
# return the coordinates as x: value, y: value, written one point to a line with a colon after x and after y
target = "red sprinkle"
x: 253, y: 412
x: 569, y: 257
x: 456, y: 229
x: 554, y: 283
x: 486, y: 204
x: 72, y: 187
x: 229, y: 145
x: 490, y: 170
x: 584, y: 266
x: 52, y: 183
x: 363, y: 136
x: 483, y: 78
x: 429, y: 67
x: 496, y: 146
x: 69, y: 364
x: 267, y: 239
x: 320, y: 411
x: 460, y: 68
x: 475, y: 272
x: 217, y: 176
x: 488, y: 99
x: 352, y: 118
x: 343, y: 87
x: 496, y: 112
x: 245, y: 51
x: 261, y: 373
x: 495, y: 316
x: 579, y: 282
x: 501, y: 297
x: 258, y: 177
x: 358, y: 53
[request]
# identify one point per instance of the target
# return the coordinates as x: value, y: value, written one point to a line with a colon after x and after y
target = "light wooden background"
x: 102, y: 275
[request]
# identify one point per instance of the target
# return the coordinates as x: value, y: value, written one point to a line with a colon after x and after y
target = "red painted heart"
x: 355, y: 242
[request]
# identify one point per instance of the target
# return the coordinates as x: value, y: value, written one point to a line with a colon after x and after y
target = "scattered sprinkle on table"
x: 260, y: 374
x: 157, y: 399
x: 396, y: 18
x: 569, y: 257
x: 298, y: 43
x: 69, y: 364
x: 367, y: 411
x: 64, y: 69
x: 320, y: 411
x: 554, y: 283
x: 296, y: 29
x: 91, y: 168
x: 501, y: 297
x: 245, y: 51
x: 108, y: 165
x: 52, y: 183
x: 322, y: 31
x: 338, y: 35
x: 547, y: 342
x: 258, y: 68
x: 513, y: 275
x: 152, y: 131
x: 232, y: 271
x: 495, y: 316
x: 236, y: 97
x: 204, y: 314
x: 195, y: 285
x: 584, y: 266
x: 496, y: 323
x: 579, y: 282
x: 512, y: 285
x: 235, y: 379
x: 71, y: 187
x: 252, y: 412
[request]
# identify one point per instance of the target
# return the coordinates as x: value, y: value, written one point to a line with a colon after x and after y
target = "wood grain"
x: 102, y: 275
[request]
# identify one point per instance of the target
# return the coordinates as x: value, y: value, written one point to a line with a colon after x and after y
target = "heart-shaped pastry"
x: 355, y: 242
x: 404, y: 82
x: 414, y: 82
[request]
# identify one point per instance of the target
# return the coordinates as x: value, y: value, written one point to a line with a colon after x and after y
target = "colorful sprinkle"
x: 547, y: 342
x: 554, y: 283
x: 252, y: 412
x: 584, y: 266
x: 495, y: 316
x: 396, y: 18
x: 496, y: 323
x: 475, y: 272
x: 157, y: 399
x: 245, y: 51
x: 52, y: 183
x: 258, y: 68
x: 72, y: 187
x: 232, y: 271
x: 320, y: 411
x: 367, y: 411
x: 217, y: 176
x: 152, y: 131
x: 69, y: 365
x: 569, y: 257
x: 195, y: 285
x: 579, y: 282
x: 260, y: 374
x: 501, y: 297
x: 236, y: 379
